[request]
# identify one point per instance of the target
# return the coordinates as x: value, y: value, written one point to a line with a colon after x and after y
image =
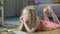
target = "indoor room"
x: 11, y: 11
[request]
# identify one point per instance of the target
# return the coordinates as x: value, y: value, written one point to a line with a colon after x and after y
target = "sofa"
x: 55, y: 7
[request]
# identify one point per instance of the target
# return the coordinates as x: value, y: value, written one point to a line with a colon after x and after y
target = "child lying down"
x: 32, y: 22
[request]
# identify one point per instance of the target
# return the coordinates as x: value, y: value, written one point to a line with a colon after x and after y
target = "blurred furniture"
x: 1, y: 12
x: 1, y: 15
x: 55, y: 7
x: 14, y: 8
x: 56, y: 1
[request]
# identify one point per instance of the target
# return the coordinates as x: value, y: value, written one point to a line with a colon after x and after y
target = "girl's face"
x: 25, y: 12
x: 28, y: 13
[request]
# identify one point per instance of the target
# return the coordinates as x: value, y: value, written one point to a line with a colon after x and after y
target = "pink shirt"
x: 49, y: 24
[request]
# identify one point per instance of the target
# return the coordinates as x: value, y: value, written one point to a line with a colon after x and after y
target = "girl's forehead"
x: 25, y: 11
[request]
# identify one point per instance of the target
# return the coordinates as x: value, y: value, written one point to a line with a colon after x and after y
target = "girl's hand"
x: 21, y: 19
x: 21, y: 24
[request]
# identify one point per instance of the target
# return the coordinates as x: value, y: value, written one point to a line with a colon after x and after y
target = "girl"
x: 32, y: 22
x: 29, y: 19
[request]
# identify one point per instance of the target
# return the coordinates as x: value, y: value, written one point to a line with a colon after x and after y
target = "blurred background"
x: 11, y: 9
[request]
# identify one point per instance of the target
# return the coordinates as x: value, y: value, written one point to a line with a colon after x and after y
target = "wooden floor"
x: 57, y: 31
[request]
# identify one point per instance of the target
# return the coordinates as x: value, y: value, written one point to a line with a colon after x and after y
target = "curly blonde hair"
x: 33, y: 18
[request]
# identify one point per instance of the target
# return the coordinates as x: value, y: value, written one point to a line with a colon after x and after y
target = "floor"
x: 13, y: 20
x: 10, y: 31
x: 57, y: 31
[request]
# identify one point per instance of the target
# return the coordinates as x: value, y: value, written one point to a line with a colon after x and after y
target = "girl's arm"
x: 20, y: 27
x: 30, y: 30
